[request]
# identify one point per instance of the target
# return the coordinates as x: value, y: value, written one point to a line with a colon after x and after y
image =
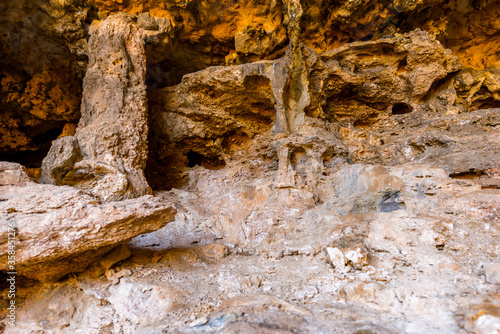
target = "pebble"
x: 109, y: 274
x: 337, y: 258
x: 198, y: 322
x: 123, y: 273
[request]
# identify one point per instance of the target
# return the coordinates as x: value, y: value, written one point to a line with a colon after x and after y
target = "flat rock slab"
x: 60, y: 230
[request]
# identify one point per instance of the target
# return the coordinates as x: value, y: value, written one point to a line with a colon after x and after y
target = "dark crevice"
x: 33, y: 158
x: 469, y: 175
x: 487, y: 103
x: 402, y: 65
x: 401, y: 108
x: 194, y: 159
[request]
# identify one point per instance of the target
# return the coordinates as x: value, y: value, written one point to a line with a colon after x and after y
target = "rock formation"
x: 108, y: 154
x: 323, y: 166
x: 62, y: 230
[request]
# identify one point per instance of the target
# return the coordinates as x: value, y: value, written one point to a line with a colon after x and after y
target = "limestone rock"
x: 214, y: 252
x: 144, y: 307
x: 62, y: 230
x: 337, y: 258
x: 113, y: 128
x: 215, y: 101
x: 118, y: 254
x: 97, y: 179
x: 420, y: 137
x: 43, y: 57
x: 42, y: 67
x: 483, y: 319
x: 355, y: 132
x: 247, y: 314
x: 360, y: 89
x: 363, y: 189
x: 63, y: 154
x: 256, y: 40
x: 307, y: 153
x: 13, y: 174
x: 209, y: 115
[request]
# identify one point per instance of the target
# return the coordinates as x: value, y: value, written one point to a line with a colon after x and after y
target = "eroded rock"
x: 13, y: 174
x: 367, y: 143
x: 113, y: 128
x: 363, y: 82
x: 107, y: 155
x: 62, y: 230
x: 492, y: 272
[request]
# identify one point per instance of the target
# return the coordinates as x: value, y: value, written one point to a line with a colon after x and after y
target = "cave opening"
x: 401, y: 108
x: 487, y: 103
x: 403, y: 63
x: 468, y: 175
x: 33, y: 156
x: 194, y: 159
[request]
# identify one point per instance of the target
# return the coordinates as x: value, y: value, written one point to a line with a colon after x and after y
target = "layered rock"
x: 363, y: 82
x: 60, y: 230
x: 377, y: 94
x: 346, y: 179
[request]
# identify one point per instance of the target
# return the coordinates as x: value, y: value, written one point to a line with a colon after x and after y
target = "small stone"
x: 357, y: 256
x: 118, y: 254
x: 492, y: 272
x: 116, y: 281
x: 198, y: 322
x: 123, y: 273
x: 214, y: 252
x: 337, y: 258
x: 109, y: 274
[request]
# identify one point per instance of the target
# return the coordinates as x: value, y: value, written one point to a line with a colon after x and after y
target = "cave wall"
x: 338, y: 155
x: 43, y: 48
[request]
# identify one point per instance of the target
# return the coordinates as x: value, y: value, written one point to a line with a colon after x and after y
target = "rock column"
x: 112, y: 133
x: 113, y: 128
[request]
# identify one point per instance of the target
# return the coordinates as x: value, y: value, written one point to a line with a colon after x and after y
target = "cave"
x: 184, y: 189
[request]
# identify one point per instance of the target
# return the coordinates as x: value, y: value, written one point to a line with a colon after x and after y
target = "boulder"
x: 61, y: 230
